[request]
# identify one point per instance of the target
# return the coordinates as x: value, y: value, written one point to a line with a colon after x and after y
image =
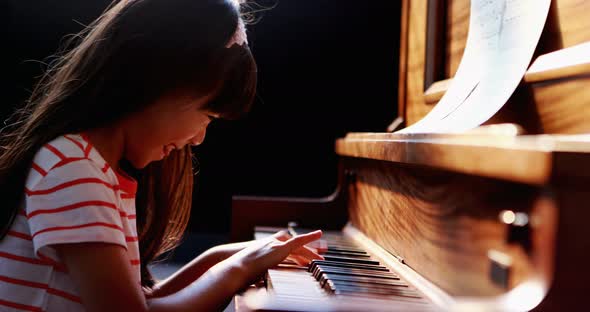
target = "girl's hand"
x: 193, y: 270
x: 260, y: 256
x: 300, y: 254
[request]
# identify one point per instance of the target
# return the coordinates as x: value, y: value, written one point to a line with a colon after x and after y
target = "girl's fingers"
x: 282, y: 236
x: 299, y: 259
x: 320, y: 245
x: 306, y: 252
x: 303, y: 239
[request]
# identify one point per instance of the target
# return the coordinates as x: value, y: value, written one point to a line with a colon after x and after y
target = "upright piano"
x: 495, y: 218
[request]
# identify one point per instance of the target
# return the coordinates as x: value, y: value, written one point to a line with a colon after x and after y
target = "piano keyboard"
x: 348, y: 276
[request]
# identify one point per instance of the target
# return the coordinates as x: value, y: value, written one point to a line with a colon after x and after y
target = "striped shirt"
x: 72, y: 195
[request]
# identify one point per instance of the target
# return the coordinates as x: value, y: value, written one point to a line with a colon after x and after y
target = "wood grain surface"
x: 566, y: 26
x: 536, y: 160
x: 443, y: 225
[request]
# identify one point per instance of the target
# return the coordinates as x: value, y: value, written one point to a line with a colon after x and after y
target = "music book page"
x: 502, y: 38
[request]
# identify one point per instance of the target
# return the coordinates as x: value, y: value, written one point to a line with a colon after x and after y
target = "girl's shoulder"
x: 70, y: 154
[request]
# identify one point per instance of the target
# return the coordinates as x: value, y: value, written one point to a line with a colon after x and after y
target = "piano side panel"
x: 569, y: 287
x: 456, y: 34
x: 570, y: 22
x: 562, y: 105
x: 443, y: 224
x: 414, y: 65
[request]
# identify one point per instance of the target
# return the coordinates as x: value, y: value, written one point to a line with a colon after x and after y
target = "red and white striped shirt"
x: 72, y: 196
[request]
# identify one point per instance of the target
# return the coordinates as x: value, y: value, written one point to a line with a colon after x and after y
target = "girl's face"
x: 170, y: 123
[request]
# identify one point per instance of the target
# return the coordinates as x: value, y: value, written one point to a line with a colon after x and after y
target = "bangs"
x: 237, y: 86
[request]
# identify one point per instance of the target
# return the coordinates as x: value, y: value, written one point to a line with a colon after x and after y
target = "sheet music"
x: 502, y: 38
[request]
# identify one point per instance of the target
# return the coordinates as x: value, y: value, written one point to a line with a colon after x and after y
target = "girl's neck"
x: 109, y: 142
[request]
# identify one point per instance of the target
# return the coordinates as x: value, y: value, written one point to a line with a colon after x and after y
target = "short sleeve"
x: 73, y: 203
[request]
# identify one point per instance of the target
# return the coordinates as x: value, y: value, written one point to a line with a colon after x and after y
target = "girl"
x: 96, y: 173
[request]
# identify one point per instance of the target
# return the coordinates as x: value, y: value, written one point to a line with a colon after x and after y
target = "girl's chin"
x: 142, y: 162
x: 140, y: 165
x: 164, y: 152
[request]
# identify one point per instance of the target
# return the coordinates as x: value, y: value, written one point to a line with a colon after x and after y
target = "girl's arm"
x: 107, y: 281
x: 194, y: 269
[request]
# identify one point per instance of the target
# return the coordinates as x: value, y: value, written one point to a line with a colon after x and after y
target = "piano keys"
x: 349, y: 276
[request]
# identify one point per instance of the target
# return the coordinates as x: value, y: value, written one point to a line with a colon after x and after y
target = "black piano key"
x: 318, y: 274
x: 343, y: 290
x: 334, y: 283
x: 354, y: 267
x: 345, y: 248
x: 351, y: 260
x: 359, y: 279
x: 395, y: 297
x: 349, y: 249
x: 345, y: 254
x: 373, y: 289
x: 315, y: 263
x: 355, y: 272
x: 367, y: 288
x: 318, y: 268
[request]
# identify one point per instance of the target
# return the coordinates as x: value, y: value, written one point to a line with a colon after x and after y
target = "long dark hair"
x: 134, y: 53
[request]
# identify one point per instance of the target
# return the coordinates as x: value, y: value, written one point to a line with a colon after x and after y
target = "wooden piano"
x: 482, y: 220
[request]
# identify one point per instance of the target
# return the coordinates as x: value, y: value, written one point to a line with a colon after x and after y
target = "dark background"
x: 326, y: 67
